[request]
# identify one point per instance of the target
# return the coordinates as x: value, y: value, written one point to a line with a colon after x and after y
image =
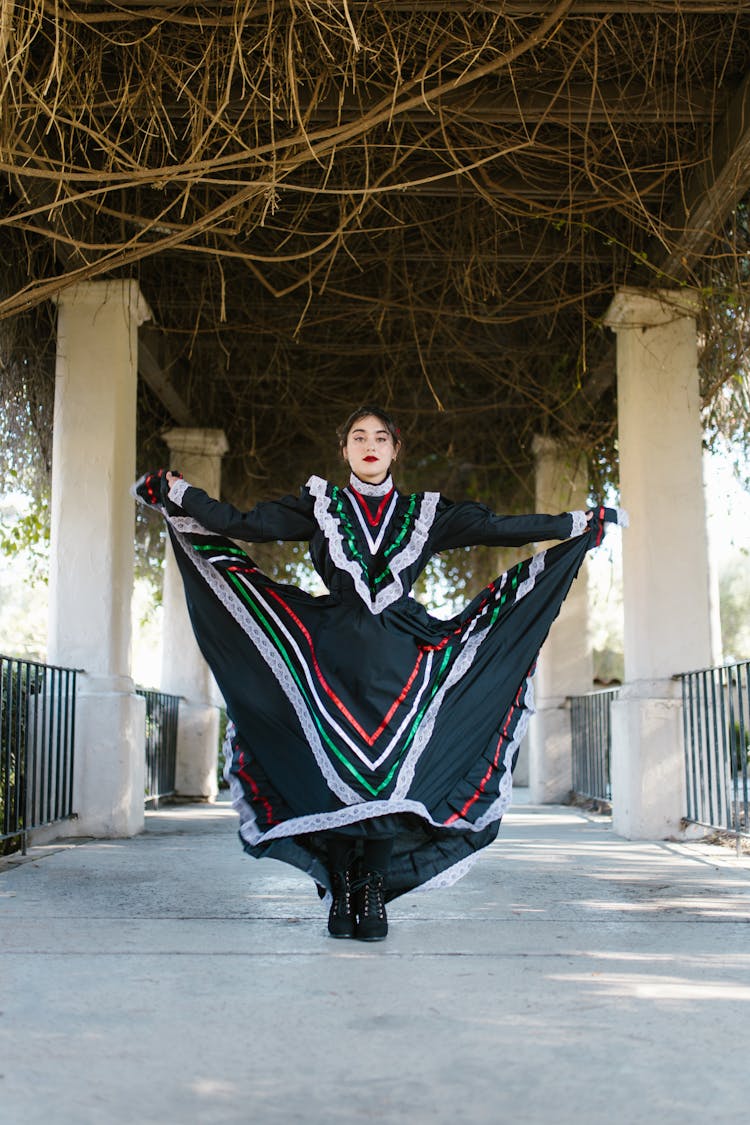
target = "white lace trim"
x: 366, y: 489
x: 459, y: 669
x: 227, y: 750
x: 580, y: 524
x: 451, y: 874
x: 501, y: 804
x: 330, y: 527
x: 133, y: 490
x: 422, y: 527
x: 623, y: 519
x: 536, y: 566
x: 323, y: 822
x: 177, y: 491
x: 322, y: 707
x: 460, y: 666
x: 187, y: 525
x: 248, y: 821
x: 277, y: 666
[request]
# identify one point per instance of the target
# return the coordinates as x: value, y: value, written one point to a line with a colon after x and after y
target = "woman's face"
x: 370, y: 449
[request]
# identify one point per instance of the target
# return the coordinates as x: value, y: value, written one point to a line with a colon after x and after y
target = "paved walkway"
x: 572, y: 977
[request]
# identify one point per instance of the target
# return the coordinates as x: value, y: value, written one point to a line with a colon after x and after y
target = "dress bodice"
x: 372, y: 541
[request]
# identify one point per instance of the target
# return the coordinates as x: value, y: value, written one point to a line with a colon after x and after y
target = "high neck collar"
x: 365, y: 489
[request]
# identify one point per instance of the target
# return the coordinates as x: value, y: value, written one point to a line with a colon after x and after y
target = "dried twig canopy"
x: 425, y: 204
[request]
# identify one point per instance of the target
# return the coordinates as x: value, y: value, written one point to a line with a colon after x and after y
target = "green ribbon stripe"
x: 268, y: 628
x: 224, y: 550
x: 404, y: 526
x: 350, y: 534
x: 281, y: 648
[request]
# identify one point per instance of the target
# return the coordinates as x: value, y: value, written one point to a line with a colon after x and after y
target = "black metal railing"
x: 591, y: 734
x: 37, y: 735
x: 716, y: 724
x: 161, y: 743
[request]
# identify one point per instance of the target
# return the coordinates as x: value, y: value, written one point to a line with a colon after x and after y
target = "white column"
x: 91, y: 567
x: 666, y: 583
x: 565, y: 664
x: 197, y: 454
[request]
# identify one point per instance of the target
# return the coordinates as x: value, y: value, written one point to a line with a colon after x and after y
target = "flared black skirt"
x: 346, y: 721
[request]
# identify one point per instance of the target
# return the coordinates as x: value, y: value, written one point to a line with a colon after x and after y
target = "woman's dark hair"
x: 364, y: 412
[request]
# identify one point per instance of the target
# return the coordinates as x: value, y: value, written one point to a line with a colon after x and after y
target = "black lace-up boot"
x: 341, y: 919
x: 369, y: 900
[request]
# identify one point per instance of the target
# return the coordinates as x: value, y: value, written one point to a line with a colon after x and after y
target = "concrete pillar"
x: 565, y: 664
x: 197, y: 454
x: 91, y: 557
x: 666, y: 583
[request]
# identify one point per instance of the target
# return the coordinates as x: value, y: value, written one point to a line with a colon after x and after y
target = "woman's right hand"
x: 151, y: 487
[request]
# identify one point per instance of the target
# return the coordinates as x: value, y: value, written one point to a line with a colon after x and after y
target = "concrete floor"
x: 572, y: 977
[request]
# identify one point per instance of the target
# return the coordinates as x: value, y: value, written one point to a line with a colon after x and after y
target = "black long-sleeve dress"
x: 356, y: 711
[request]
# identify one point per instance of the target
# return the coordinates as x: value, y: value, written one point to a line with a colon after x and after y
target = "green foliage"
x: 27, y: 532
x: 150, y: 545
x: 12, y: 728
x: 734, y: 600
x: 725, y: 329
x: 27, y: 387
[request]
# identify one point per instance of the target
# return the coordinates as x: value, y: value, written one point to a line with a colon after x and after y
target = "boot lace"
x: 371, y: 886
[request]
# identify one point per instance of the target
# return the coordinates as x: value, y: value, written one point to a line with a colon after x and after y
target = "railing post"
x: 592, y: 743
x: 37, y: 731
x: 715, y: 703
x: 162, y: 712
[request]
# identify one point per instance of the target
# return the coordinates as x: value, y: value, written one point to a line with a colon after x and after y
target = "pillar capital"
x: 196, y: 440
x: 123, y: 291
x: 543, y: 446
x: 649, y: 308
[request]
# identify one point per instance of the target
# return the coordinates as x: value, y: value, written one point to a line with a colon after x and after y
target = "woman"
x: 370, y: 744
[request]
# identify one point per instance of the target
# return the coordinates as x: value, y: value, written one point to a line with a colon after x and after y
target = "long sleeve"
x: 290, y: 518
x: 468, y: 524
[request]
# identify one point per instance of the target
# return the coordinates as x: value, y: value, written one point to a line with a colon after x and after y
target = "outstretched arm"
x: 468, y: 524
x: 290, y: 518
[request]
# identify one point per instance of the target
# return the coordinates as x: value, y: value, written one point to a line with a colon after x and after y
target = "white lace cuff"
x: 177, y: 491
x: 580, y: 524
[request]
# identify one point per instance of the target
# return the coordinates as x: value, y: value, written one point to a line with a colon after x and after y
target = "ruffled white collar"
x: 365, y: 489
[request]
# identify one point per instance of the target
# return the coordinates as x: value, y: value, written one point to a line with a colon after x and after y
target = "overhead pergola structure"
x: 441, y: 207
x: 425, y: 204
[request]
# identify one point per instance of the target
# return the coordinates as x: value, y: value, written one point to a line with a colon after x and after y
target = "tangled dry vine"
x: 428, y: 204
